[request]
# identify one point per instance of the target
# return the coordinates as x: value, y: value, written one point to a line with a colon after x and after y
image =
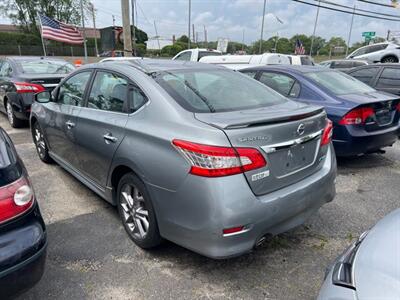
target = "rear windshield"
x: 306, y: 61
x: 217, y: 90
x: 46, y: 67
x: 339, y: 83
x: 208, y: 53
x: 10, y: 168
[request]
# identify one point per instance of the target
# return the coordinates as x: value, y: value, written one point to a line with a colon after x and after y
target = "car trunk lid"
x: 49, y: 81
x: 288, y: 135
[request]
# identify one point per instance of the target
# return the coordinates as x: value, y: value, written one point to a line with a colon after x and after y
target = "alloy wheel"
x: 39, y: 141
x: 10, y: 113
x: 135, y: 214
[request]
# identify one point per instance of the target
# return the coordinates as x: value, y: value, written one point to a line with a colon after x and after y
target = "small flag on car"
x: 55, y: 30
x: 299, y: 48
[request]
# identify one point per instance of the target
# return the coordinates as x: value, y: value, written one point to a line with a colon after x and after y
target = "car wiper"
x: 195, y: 91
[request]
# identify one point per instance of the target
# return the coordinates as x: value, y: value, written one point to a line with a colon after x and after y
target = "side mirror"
x: 43, y: 97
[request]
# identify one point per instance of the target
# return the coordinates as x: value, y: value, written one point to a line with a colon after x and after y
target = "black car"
x: 21, y: 77
x: 23, y: 240
x: 343, y: 64
x: 382, y: 77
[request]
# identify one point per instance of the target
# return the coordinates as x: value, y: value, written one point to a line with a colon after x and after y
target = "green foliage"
x: 171, y: 50
x: 24, y: 12
x: 183, y: 39
x: 141, y: 36
x: 16, y: 38
x: 141, y: 49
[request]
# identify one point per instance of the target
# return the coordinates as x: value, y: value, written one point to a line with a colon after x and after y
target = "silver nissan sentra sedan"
x: 193, y: 153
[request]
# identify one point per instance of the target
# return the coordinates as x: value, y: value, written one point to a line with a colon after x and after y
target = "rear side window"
x: 216, y: 90
x: 137, y: 99
x: 109, y: 92
x: 6, y: 69
x: 10, y: 168
x: 184, y: 56
x: 208, y: 53
x: 72, y: 90
x: 390, y: 77
x: 281, y: 83
x: 365, y: 75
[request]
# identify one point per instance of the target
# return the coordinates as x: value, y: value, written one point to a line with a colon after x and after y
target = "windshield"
x: 216, y: 90
x: 339, y: 83
x: 46, y: 67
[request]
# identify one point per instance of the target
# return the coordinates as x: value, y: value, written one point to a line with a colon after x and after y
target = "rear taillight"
x: 357, y: 116
x: 398, y: 106
x: 327, y: 134
x: 26, y: 87
x: 215, y: 161
x: 15, y: 199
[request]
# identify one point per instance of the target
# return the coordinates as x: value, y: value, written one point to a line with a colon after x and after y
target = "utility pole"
x: 351, y: 29
x: 315, y: 27
x: 276, y: 42
x: 94, y: 27
x: 262, y: 27
x: 113, y: 18
x: 84, y: 31
x: 126, y: 28
x: 205, y: 36
x: 190, y: 9
x: 133, y: 28
x: 158, y: 40
x: 243, y: 40
x: 194, y: 34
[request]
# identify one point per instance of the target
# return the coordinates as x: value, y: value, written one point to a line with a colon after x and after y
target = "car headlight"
x: 343, y: 271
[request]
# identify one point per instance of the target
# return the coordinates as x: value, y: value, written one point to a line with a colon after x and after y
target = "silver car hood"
x: 377, y: 263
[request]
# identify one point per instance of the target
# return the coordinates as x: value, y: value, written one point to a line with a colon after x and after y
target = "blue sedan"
x: 365, y: 120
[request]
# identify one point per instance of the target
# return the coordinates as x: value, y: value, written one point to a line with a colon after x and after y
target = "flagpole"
x: 41, y: 34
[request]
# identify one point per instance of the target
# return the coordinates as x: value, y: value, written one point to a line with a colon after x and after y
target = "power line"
x: 345, y: 11
x: 358, y: 9
x: 375, y: 3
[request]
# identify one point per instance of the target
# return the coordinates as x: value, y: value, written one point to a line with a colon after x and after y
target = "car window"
x: 366, y: 74
x: 339, y: 83
x: 342, y: 64
x: 208, y: 53
x: 72, y: 90
x: 278, y: 82
x: 295, y: 91
x: 184, y: 56
x: 360, y: 51
x: 216, y: 90
x: 47, y: 66
x: 251, y: 74
x: 358, y: 63
x: 306, y: 61
x: 390, y: 77
x: 137, y: 99
x: 109, y: 92
x: 325, y: 64
x: 6, y: 69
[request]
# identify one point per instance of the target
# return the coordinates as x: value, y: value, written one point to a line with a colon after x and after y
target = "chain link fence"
x: 37, y: 50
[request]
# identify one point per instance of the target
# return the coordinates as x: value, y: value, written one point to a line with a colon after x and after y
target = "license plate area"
x: 384, y: 117
x: 295, y: 158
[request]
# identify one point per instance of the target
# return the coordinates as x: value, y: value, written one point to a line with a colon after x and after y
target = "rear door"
x: 6, y: 85
x: 61, y: 124
x: 366, y: 74
x: 389, y: 80
x: 101, y: 124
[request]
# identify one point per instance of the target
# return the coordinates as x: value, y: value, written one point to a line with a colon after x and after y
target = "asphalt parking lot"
x: 91, y: 257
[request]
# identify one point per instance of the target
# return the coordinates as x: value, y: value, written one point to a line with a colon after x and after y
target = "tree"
x: 305, y: 40
x: 171, y: 50
x: 183, y: 39
x: 141, y: 36
x: 24, y: 12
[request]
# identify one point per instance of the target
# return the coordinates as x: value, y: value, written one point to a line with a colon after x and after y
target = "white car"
x: 195, y: 54
x: 301, y: 60
x: 238, y: 62
x: 121, y: 58
x: 381, y: 52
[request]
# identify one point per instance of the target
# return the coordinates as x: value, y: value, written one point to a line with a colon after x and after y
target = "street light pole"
x: 315, y: 27
x: 84, y: 31
x: 350, y: 31
x: 133, y: 28
x: 262, y: 27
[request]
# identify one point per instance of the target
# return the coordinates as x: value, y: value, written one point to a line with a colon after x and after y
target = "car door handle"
x: 109, y: 138
x: 70, y: 124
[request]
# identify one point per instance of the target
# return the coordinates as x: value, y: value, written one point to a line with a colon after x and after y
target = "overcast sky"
x: 228, y: 18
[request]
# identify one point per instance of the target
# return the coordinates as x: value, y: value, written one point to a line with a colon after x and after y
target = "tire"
x: 12, y: 119
x: 40, y: 144
x: 137, y: 213
x: 389, y: 59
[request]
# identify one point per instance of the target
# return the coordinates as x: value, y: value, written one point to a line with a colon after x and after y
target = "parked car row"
x: 206, y: 157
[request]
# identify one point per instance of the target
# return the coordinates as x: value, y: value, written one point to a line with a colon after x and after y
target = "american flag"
x: 299, y: 48
x: 54, y: 30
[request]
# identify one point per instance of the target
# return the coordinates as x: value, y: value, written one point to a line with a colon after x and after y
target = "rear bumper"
x: 195, y: 216
x: 352, y: 143
x: 22, y: 254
